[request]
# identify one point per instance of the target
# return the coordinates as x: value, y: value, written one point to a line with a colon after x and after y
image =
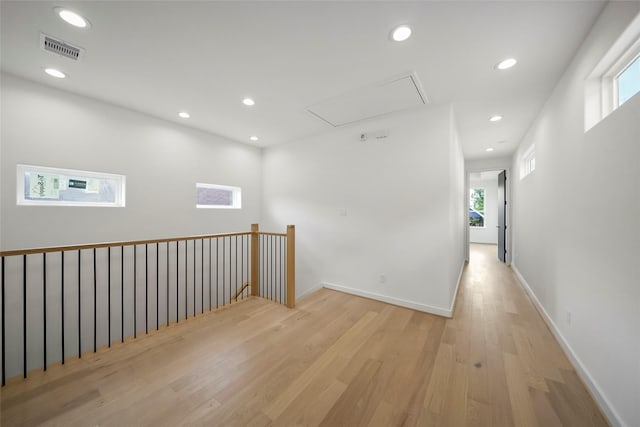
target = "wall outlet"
x: 382, y: 278
x: 568, y: 316
x: 342, y: 211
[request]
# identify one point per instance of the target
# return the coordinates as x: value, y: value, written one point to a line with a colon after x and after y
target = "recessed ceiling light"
x: 489, y: 149
x: 495, y: 118
x: 254, y: 138
x: 248, y: 101
x: 507, y: 63
x: 184, y: 114
x: 401, y: 33
x: 72, y: 18
x: 55, y: 73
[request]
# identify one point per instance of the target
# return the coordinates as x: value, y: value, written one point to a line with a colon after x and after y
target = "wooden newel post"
x: 291, y: 266
x: 255, y: 261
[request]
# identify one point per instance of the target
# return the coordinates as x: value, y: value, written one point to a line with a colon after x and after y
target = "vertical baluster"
x: 186, y: 279
x: 284, y: 266
x: 242, y: 264
x: 157, y: 286
x: 95, y: 304
x: 177, y: 282
x: 122, y: 293
x: 146, y: 288
x: 210, y: 281
x: 270, y: 268
x: 24, y: 315
x: 109, y: 296
x: 202, y: 276
x: 135, y: 289
x: 44, y: 310
x: 194, y: 277
x: 224, y: 268
x: 273, y: 268
x: 167, y: 283
x: 61, y: 305
x: 217, y: 273
x: 79, y: 304
x: 280, y: 269
x: 4, y: 367
x: 236, y: 259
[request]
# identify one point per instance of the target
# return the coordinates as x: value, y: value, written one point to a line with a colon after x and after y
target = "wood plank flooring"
x: 335, y: 360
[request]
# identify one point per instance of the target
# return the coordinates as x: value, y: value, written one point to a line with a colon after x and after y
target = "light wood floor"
x: 336, y: 360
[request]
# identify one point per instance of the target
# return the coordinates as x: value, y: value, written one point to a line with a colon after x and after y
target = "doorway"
x: 487, y: 211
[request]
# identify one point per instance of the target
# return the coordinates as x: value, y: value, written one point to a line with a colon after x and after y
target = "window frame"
x: 616, y: 98
x: 528, y: 159
x: 600, y: 89
x: 22, y: 170
x: 235, y: 191
x: 484, y: 197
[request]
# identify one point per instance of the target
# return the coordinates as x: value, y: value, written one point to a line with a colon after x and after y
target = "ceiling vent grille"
x: 60, y: 47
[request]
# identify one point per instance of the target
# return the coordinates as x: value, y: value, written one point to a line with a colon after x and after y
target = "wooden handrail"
x: 244, y: 286
x: 113, y: 244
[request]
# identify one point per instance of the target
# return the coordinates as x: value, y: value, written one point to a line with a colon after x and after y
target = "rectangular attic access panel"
x: 381, y: 98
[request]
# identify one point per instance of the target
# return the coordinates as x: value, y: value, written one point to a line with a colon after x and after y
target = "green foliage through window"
x: 476, y: 207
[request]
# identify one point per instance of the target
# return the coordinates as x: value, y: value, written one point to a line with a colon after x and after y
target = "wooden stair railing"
x: 63, y: 301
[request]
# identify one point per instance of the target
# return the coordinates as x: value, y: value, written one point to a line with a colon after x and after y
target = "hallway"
x: 507, y: 364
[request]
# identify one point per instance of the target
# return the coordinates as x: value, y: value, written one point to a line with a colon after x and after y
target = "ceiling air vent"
x: 60, y: 47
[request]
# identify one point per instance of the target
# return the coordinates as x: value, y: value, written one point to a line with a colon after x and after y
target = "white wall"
x: 380, y: 207
x: 576, y: 229
x: 457, y: 211
x: 495, y: 163
x: 488, y: 233
x: 161, y: 160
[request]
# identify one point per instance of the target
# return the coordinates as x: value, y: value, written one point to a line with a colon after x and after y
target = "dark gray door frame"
x: 508, y: 237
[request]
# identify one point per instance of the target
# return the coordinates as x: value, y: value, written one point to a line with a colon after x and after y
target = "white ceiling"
x: 485, y: 175
x: 205, y: 57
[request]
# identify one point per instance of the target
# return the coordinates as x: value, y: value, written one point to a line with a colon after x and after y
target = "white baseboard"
x: 455, y: 293
x: 602, y: 401
x: 308, y: 292
x: 390, y: 300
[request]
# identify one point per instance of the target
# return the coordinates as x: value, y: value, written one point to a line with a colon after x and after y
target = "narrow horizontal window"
x: 218, y: 196
x: 46, y: 186
x: 628, y: 82
x: 616, y: 77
